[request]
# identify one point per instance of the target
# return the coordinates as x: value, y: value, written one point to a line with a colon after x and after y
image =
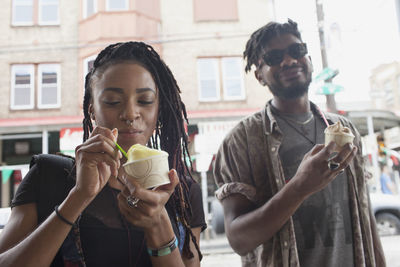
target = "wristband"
x: 164, y: 250
x: 61, y: 217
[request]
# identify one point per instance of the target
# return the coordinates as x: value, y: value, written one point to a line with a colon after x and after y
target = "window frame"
x: 40, y: 22
x: 31, y: 71
x: 241, y: 75
x: 84, y: 8
x: 123, y: 9
x: 21, y: 23
x: 40, y: 69
x: 86, y: 60
x: 217, y: 80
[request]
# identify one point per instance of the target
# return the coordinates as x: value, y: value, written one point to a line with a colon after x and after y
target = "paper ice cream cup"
x: 149, y: 172
x: 339, y: 138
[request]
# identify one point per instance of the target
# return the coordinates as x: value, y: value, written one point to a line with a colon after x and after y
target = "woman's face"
x: 124, y: 93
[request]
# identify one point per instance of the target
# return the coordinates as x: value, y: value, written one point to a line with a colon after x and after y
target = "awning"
x: 381, y: 119
x: 38, y: 124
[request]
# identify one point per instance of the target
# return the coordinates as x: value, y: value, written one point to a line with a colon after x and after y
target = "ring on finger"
x: 132, y: 201
x: 333, y: 165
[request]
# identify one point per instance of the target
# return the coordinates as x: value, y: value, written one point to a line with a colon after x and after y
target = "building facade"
x: 48, y: 46
x: 385, y: 87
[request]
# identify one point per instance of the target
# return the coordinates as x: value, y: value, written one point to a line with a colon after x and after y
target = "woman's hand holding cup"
x: 149, y: 210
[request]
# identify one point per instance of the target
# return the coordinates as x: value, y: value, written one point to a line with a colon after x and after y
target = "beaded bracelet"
x: 164, y: 250
x: 61, y: 217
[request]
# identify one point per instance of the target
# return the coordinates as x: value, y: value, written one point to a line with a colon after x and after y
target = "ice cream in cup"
x: 338, y: 133
x: 148, y: 166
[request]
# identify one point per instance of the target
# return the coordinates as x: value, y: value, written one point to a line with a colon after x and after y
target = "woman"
x: 76, y: 212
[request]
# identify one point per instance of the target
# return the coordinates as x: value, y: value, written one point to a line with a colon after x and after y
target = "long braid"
x: 179, y: 164
x: 169, y: 134
x: 87, y: 122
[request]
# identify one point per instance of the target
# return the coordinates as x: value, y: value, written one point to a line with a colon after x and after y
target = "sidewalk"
x: 217, y: 251
x: 217, y: 244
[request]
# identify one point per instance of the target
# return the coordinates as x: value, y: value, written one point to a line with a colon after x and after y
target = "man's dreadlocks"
x: 260, y: 38
x: 169, y: 134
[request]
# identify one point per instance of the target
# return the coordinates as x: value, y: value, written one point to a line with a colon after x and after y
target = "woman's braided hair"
x: 259, y: 39
x: 170, y: 134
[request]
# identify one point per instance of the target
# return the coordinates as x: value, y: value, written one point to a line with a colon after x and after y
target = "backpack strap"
x: 55, y: 182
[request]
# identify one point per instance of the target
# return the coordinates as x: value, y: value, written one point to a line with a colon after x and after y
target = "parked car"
x: 386, y: 209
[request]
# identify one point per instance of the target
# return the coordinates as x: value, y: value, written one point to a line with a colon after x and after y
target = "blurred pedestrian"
x: 387, y: 185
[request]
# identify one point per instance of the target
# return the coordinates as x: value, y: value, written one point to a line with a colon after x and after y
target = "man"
x: 288, y: 200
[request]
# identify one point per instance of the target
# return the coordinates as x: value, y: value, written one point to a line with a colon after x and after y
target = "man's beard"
x: 291, y: 92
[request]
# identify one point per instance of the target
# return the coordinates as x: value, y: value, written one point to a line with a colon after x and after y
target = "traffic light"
x: 381, y: 145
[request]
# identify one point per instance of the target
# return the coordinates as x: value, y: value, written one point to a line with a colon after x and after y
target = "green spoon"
x: 121, y: 149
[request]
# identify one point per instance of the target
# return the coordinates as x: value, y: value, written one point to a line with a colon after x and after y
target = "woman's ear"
x: 91, y: 113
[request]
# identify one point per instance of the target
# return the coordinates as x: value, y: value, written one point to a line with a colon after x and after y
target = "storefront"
x: 20, y: 139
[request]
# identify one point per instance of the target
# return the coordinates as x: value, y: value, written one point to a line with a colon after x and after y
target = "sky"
x: 360, y: 35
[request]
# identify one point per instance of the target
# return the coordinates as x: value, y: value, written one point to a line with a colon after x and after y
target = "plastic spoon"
x: 121, y: 149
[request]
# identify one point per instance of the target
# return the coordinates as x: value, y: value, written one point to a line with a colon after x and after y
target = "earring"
x: 92, y: 116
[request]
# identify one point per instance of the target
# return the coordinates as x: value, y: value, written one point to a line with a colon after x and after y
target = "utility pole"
x: 330, y: 98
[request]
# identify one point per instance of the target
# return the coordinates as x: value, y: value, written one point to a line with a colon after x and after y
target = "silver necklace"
x: 313, y: 142
x: 296, y: 121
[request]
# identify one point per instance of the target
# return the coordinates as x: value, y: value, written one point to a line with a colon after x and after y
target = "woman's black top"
x: 106, y: 238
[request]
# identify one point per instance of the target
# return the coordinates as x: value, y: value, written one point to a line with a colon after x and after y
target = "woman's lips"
x: 129, y: 132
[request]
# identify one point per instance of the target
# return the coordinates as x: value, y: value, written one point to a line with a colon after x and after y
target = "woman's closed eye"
x: 146, y: 102
x: 111, y: 103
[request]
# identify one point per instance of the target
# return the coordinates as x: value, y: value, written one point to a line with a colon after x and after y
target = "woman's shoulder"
x: 52, y: 160
x: 53, y: 165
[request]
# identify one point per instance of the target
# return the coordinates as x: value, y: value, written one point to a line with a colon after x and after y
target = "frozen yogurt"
x: 338, y: 133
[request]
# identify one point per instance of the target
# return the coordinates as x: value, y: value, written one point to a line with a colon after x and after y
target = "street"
x: 217, y: 252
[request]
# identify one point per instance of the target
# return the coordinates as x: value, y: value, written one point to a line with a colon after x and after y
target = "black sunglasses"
x: 275, y: 56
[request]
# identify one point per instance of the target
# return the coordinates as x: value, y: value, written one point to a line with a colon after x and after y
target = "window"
x: 211, y: 10
x: 232, y: 73
x: 48, y: 86
x: 35, y: 12
x: 208, y: 79
x: 116, y: 5
x: 89, y: 8
x: 48, y: 12
x: 23, y: 86
x: 22, y: 12
x: 22, y: 81
x: 87, y: 66
x: 216, y: 74
x: 387, y: 89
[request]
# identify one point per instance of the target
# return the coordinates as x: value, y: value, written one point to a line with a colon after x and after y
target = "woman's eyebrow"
x: 145, y: 89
